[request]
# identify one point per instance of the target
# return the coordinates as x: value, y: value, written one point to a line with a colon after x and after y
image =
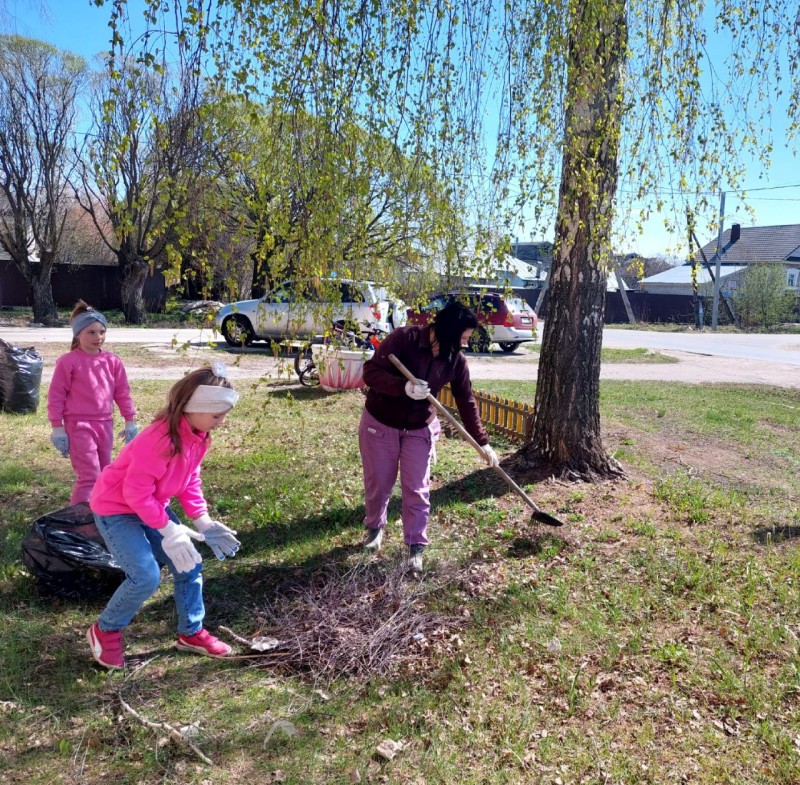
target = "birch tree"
x: 582, y: 96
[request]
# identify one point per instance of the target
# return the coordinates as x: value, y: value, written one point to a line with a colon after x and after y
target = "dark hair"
x: 448, y: 327
x: 178, y: 397
x: 80, y: 307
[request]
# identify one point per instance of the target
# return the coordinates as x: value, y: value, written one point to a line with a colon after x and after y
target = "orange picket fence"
x: 511, y: 418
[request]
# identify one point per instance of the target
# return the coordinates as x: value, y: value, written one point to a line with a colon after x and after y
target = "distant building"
x: 740, y: 248
x: 678, y: 280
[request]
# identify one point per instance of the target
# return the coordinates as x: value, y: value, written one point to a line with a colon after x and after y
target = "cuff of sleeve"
x: 162, y: 524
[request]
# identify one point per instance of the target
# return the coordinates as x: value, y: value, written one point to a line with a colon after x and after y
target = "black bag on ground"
x: 64, y: 550
x: 20, y: 378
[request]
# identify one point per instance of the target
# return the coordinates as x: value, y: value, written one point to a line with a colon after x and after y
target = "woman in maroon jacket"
x: 398, y: 426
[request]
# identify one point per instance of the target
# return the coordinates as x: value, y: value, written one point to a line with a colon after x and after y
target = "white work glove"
x: 130, y: 431
x: 219, y: 537
x: 60, y: 441
x: 490, y: 455
x: 177, y: 544
x: 417, y: 390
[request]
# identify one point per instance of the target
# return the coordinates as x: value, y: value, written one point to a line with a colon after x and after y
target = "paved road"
x: 767, y: 348
x: 704, y: 357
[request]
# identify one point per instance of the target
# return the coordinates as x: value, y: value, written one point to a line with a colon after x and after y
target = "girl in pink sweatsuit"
x: 86, y: 384
x: 131, y: 509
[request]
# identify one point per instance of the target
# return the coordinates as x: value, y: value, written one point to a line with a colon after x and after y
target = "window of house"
x: 791, y: 278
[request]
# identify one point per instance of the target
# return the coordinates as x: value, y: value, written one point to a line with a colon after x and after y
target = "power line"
x: 769, y: 188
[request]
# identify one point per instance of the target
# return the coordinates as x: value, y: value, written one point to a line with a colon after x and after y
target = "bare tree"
x: 39, y: 87
x: 143, y: 158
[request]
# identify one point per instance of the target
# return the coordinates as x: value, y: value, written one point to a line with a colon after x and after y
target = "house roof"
x: 522, y: 269
x: 540, y: 251
x: 758, y: 244
x: 683, y: 274
x: 481, y: 267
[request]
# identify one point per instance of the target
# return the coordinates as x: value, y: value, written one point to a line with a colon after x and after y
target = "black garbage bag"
x: 64, y: 550
x: 20, y: 378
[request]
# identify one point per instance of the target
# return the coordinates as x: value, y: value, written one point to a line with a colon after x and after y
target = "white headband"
x: 211, y: 399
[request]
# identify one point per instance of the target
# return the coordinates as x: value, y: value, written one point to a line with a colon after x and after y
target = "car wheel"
x: 237, y: 331
x: 508, y: 346
x: 479, y: 342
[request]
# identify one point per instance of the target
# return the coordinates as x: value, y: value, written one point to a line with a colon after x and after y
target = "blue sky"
x: 82, y: 27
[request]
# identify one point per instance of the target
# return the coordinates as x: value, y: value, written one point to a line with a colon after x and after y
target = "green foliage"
x: 593, y: 94
x: 763, y: 299
x: 311, y: 201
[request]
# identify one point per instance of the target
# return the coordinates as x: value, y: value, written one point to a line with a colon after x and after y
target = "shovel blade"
x: 543, y: 517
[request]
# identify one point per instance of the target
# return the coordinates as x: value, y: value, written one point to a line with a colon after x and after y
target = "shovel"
x: 538, y: 514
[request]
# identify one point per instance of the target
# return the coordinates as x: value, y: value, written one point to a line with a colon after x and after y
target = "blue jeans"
x: 136, y: 548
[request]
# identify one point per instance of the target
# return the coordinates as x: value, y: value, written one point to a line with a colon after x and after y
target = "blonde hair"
x: 178, y: 397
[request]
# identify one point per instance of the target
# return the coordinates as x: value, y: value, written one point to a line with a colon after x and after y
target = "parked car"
x: 305, y: 309
x: 506, y: 322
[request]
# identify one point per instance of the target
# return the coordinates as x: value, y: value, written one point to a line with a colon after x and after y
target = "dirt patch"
x: 709, y: 457
x: 161, y: 361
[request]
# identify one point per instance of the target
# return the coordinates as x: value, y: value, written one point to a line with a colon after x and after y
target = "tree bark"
x: 44, y: 306
x: 134, y: 273
x: 38, y: 276
x: 566, y: 438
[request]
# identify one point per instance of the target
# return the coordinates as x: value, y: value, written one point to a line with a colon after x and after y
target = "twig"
x: 176, y: 734
x: 238, y: 638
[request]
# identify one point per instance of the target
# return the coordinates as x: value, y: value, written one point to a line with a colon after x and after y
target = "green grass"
x: 632, y: 356
x: 173, y: 316
x: 655, y: 639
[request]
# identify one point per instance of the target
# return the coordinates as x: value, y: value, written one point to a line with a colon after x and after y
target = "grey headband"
x: 83, y: 320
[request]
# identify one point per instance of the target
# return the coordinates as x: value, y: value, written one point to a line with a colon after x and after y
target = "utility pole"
x: 715, y: 310
x: 698, y: 321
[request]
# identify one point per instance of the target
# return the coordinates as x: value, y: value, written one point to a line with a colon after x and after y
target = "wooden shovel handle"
x: 468, y: 437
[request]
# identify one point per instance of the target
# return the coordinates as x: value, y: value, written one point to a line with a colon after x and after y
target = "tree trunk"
x: 44, y: 306
x: 40, y: 287
x: 134, y: 273
x: 566, y: 439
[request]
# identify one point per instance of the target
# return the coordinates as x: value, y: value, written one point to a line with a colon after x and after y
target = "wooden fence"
x: 511, y: 418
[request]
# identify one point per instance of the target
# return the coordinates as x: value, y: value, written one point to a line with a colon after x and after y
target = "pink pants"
x: 90, y: 444
x: 383, y: 451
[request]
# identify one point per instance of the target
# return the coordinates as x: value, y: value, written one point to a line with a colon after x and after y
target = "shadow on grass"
x: 544, y: 544
x: 770, y: 534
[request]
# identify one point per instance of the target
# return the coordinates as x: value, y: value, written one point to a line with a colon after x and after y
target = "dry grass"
x: 362, y: 621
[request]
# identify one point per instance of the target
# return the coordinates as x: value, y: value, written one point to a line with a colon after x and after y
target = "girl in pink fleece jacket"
x: 86, y: 384
x: 130, y: 504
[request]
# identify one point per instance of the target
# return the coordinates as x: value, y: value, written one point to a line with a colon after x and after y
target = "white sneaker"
x: 415, y: 558
x: 374, y: 540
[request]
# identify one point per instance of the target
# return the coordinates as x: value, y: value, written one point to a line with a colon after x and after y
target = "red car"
x: 506, y: 322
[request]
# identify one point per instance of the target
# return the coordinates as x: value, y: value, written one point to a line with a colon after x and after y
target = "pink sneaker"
x: 203, y: 642
x: 106, y: 647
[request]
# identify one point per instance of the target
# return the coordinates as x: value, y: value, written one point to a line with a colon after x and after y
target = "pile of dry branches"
x: 362, y: 621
